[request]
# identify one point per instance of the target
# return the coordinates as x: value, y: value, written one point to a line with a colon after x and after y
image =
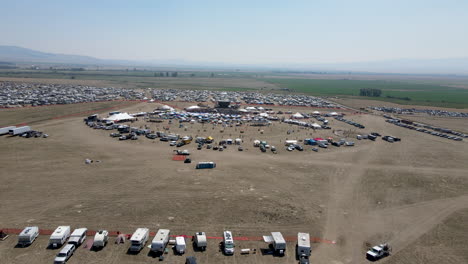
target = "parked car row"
x: 423, y: 130
x: 62, y: 235
x: 349, y: 122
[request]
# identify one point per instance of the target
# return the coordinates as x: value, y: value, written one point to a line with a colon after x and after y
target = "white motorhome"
x: 276, y: 240
x: 200, y: 240
x: 139, y: 239
x: 303, y: 244
x: 290, y: 142
x: 19, y: 130
x: 78, y: 236
x: 228, y: 243
x: 6, y: 130
x: 100, y: 239
x: 28, y: 235
x: 160, y: 241
x: 180, y: 245
x: 59, y: 236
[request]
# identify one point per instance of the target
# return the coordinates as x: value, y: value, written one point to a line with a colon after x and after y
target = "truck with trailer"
x: 6, y: 130
x: 28, y: 235
x: 206, y: 165
x: 78, y: 236
x: 277, y: 242
x: 100, y: 238
x: 59, y: 236
x: 200, y: 240
x: 228, y: 243
x: 303, y: 245
x: 160, y: 240
x: 139, y: 239
x: 19, y: 130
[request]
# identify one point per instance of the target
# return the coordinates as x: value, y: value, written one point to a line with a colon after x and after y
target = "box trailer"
x: 100, y: 239
x: 59, y: 236
x: 228, y: 243
x: 180, y: 245
x: 139, y: 239
x: 6, y: 130
x: 206, y: 165
x: 19, y: 130
x: 303, y: 245
x: 28, y: 235
x: 78, y: 236
x: 160, y: 241
x: 276, y: 240
x: 200, y: 240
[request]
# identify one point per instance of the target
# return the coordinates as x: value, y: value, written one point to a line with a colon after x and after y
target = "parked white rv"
x: 19, y: 130
x: 200, y: 240
x: 100, y: 239
x: 228, y: 243
x: 139, y: 239
x: 303, y: 244
x: 160, y: 241
x: 78, y: 236
x: 28, y: 235
x: 180, y: 245
x: 59, y: 236
x: 277, y: 242
x: 6, y: 130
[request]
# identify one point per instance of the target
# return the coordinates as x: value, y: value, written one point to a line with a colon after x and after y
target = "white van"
x: 59, y: 236
x: 180, y: 245
x: 100, y: 239
x: 28, y: 235
x: 160, y: 241
x: 139, y: 239
x: 228, y: 243
x: 78, y: 236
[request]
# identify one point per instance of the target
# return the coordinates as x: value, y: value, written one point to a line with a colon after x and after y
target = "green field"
x: 392, y: 91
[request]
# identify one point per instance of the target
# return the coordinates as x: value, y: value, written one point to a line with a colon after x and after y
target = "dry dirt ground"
x: 413, y: 194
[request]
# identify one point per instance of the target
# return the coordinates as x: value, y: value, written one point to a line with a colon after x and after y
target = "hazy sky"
x: 308, y: 31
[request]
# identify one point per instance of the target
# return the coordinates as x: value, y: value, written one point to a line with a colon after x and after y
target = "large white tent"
x: 120, y: 117
x: 297, y: 116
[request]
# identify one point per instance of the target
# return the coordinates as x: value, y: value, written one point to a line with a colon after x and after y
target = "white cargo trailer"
x: 59, y: 236
x: 100, y: 239
x: 200, y: 240
x: 139, y: 239
x: 19, y: 130
x: 180, y: 245
x: 28, y: 235
x: 277, y: 242
x: 6, y: 130
x: 160, y: 241
x: 303, y: 244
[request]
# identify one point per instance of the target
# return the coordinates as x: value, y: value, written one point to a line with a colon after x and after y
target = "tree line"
x: 370, y: 92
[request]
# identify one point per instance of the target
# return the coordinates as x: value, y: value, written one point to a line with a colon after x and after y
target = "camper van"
x: 139, y: 239
x: 180, y: 245
x: 160, y: 241
x: 228, y: 243
x: 59, y: 236
x: 303, y: 245
x: 100, y: 239
x: 78, y: 236
x: 200, y: 240
x: 28, y: 235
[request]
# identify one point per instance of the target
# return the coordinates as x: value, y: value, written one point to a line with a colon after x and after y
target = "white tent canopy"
x: 297, y: 115
x: 315, y: 125
x: 120, y: 117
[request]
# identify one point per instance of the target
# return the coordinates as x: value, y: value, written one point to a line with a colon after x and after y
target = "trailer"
x: 139, y: 239
x: 100, y: 239
x: 160, y: 241
x: 19, y: 130
x: 28, y: 235
x: 290, y: 142
x: 200, y: 240
x: 59, y: 236
x: 180, y: 245
x: 206, y: 165
x: 303, y: 245
x: 276, y: 240
x: 78, y: 236
x: 6, y: 130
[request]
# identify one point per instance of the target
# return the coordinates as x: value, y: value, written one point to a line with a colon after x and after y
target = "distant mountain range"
x: 420, y: 66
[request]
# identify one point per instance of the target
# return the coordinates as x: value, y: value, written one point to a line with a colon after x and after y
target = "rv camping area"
x: 412, y: 194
